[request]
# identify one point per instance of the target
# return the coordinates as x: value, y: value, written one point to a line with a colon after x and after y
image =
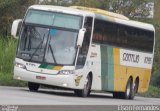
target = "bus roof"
x: 116, y: 18
x: 98, y: 13
x: 61, y: 9
x: 136, y: 24
x: 101, y: 12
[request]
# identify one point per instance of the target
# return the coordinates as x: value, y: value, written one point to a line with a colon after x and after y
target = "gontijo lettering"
x: 131, y: 57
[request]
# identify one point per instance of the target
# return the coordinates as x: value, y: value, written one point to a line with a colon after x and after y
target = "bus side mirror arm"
x: 15, y: 28
x: 81, y: 37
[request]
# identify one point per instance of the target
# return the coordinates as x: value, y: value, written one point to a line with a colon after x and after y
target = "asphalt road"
x: 22, y: 96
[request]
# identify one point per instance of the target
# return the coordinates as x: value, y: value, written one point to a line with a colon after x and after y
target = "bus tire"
x: 134, y: 89
x: 132, y: 95
x: 116, y: 94
x: 128, y: 91
x: 136, y: 85
x: 33, y: 86
x: 86, y: 90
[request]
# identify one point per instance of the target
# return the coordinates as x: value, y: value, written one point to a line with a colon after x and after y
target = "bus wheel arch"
x: 33, y: 87
x: 91, y: 76
x: 136, y: 84
x: 87, y: 87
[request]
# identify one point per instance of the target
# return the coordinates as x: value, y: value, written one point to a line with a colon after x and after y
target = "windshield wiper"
x: 40, y: 44
x: 52, y: 53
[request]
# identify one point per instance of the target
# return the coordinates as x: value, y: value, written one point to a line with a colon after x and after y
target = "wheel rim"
x: 86, y: 87
x: 128, y: 90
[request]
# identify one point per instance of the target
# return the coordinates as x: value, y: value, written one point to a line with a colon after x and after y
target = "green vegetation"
x: 10, y: 10
x: 7, y: 55
x: 152, y: 92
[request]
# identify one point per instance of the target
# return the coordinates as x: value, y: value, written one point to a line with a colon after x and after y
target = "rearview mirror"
x: 16, y: 27
x: 81, y: 37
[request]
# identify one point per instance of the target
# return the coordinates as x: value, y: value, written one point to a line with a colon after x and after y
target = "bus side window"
x: 85, y: 46
x: 98, y: 32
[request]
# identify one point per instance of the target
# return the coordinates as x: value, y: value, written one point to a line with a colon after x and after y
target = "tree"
x: 57, y: 2
x: 10, y: 10
x: 130, y: 8
x: 87, y: 3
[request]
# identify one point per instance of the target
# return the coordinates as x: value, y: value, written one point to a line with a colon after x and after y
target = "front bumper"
x: 66, y: 81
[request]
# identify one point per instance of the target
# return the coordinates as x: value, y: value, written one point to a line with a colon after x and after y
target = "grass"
x: 7, y: 80
x: 7, y: 55
x: 153, y: 92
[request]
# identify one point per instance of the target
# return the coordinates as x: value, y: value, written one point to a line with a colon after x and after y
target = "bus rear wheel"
x: 33, y: 86
x: 117, y: 94
x: 86, y: 90
x: 134, y: 89
x: 129, y: 92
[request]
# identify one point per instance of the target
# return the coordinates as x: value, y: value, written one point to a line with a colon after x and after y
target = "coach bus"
x: 83, y: 49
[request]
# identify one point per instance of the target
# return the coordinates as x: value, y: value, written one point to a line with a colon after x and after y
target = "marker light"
x: 20, y: 65
x: 66, y: 72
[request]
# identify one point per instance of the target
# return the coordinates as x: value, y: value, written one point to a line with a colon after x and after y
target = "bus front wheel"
x: 33, y: 86
x: 86, y: 90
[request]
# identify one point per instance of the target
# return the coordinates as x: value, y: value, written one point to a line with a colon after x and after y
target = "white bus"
x: 83, y: 49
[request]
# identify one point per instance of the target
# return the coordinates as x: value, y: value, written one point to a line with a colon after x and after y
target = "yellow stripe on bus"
x: 122, y: 74
x: 57, y: 68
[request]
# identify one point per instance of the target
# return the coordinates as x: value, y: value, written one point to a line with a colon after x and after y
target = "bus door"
x: 86, y: 42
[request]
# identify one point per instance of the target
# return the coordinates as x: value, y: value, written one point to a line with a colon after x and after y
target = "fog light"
x: 19, y: 78
x: 65, y: 85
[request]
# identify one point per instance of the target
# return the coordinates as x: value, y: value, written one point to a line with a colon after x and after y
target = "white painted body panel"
x: 95, y: 58
x: 55, y: 80
x: 136, y: 59
x: 60, y: 9
x: 51, y: 76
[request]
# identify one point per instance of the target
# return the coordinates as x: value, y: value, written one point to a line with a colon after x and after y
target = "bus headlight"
x: 20, y: 65
x: 66, y: 72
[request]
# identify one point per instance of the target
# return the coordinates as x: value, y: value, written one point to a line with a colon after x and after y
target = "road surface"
x: 22, y: 96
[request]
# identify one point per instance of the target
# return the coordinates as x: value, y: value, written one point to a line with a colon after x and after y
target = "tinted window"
x: 123, y: 36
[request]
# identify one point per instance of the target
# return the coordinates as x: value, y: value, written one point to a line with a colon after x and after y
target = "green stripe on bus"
x: 110, y: 69
x: 107, y: 68
x: 43, y: 66
x: 104, y: 68
x: 49, y: 67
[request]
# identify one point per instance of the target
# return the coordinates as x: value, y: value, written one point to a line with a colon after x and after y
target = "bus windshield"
x: 53, y: 19
x: 42, y: 42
